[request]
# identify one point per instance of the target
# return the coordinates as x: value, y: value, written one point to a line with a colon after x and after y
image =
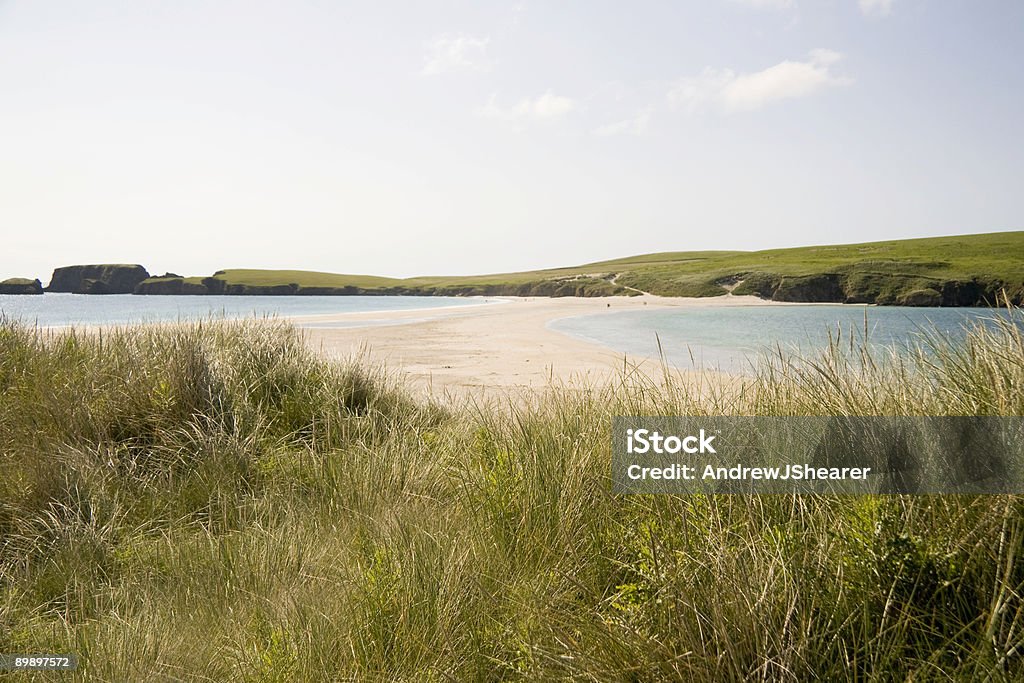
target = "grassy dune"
x: 950, y: 271
x: 215, y: 502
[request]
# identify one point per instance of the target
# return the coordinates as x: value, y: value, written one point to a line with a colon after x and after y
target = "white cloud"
x: 517, y: 14
x: 637, y: 125
x: 456, y: 53
x: 767, y: 4
x: 728, y: 91
x: 878, y: 8
x: 543, y: 108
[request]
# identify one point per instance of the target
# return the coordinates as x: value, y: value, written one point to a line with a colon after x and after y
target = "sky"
x: 462, y: 137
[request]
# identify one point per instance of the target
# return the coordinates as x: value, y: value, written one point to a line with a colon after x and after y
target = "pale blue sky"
x: 402, y: 138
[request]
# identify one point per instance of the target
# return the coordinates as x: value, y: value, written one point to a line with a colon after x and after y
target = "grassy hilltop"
x: 216, y: 502
x: 947, y: 271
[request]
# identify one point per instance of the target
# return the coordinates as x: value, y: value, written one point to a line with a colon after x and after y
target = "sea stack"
x: 97, y: 279
x: 21, y: 285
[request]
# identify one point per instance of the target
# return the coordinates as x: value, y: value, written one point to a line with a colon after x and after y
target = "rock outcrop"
x: 821, y: 288
x: 170, y: 284
x: 98, y: 279
x: 21, y: 285
x: 920, y: 297
x: 883, y: 289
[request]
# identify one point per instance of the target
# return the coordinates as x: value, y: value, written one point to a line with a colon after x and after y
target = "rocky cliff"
x: 172, y: 284
x: 98, y: 279
x: 882, y: 289
x: 21, y: 285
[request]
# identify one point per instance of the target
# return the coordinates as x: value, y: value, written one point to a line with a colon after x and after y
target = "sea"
x: 61, y: 310
x: 737, y: 338
x: 728, y: 338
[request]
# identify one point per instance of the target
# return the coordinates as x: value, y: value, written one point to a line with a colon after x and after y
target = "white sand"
x: 493, y: 347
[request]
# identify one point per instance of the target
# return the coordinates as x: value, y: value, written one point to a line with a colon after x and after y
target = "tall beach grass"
x: 216, y: 502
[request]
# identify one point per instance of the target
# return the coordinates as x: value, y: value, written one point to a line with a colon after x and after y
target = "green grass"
x: 961, y: 270
x: 898, y: 264
x: 216, y: 502
x: 305, y: 278
x: 562, y: 282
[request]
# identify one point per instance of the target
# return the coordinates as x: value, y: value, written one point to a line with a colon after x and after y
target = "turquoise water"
x: 50, y: 310
x: 729, y: 338
x: 732, y: 338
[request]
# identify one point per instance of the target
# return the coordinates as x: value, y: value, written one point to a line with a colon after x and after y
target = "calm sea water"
x: 730, y: 338
x: 733, y: 338
x: 51, y: 310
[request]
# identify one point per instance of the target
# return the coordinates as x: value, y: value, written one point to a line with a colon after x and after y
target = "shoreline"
x: 495, y: 345
x: 499, y: 349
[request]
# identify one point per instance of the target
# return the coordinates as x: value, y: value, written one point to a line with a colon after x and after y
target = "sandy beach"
x: 500, y: 347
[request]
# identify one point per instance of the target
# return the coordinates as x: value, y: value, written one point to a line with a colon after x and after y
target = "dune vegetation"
x: 214, y: 501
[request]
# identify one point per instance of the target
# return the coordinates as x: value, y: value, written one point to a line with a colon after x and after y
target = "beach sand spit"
x: 493, y: 348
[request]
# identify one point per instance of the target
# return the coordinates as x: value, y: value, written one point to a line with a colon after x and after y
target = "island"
x: 964, y: 270
x: 20, y: 285
x: 98, y: 279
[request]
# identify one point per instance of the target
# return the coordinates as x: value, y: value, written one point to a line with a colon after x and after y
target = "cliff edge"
x: 98, y: 279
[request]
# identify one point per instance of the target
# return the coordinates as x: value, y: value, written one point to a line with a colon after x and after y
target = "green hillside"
x: 950, y: 271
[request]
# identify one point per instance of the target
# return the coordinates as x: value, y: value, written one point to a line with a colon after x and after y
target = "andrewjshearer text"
x: 742, y: 472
